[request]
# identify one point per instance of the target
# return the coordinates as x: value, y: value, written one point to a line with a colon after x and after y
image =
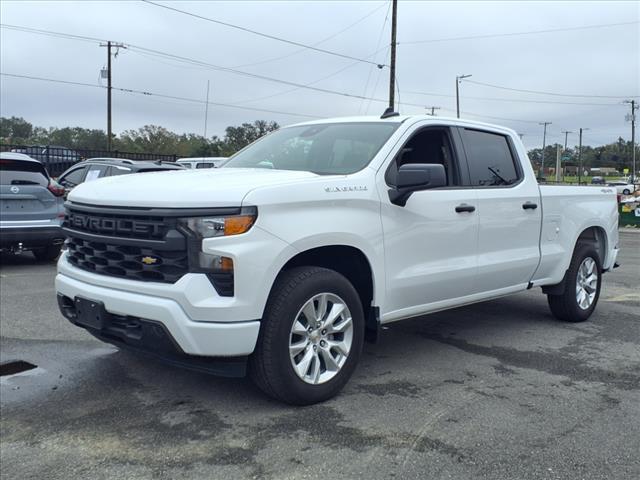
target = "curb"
x: 629, y: 230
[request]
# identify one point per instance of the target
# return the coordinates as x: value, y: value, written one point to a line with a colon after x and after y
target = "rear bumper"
x: 30, y: 236
x: 195, y: 338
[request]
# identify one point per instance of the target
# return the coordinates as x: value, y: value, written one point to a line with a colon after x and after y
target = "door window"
x: 73, y: 178
x: 205, y: 165
x: 490, y: 160
x: 116, y: 170
x: 95, y: 172
x: 430, y: 145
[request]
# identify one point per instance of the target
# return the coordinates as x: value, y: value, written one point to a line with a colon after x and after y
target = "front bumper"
x: 201, y: 338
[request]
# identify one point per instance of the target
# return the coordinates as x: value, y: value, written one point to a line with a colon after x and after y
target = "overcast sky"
x: 592, y: 62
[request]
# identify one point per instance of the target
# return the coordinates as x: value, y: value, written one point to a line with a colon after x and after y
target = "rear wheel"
x: 582, y: 286
x: 47, y: 254
x: 311, y: 336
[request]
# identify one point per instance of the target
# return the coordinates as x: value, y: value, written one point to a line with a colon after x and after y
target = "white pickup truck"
x: 304, y: 243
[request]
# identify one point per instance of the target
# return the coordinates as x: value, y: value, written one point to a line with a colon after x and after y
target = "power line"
x: 371, y: 68
x: 326, y: 39
x: 512, y: 34
x: 497, y: 99
x: 549, y: 93
x: 154, y: 94
x: 261, y: 34
x: 202, y: 64
x: 50, y: 33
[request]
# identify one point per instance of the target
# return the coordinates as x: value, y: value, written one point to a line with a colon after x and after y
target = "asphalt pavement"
x: 499, y: 390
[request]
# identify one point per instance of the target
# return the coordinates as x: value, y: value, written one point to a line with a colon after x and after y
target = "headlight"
x: 222, y: 226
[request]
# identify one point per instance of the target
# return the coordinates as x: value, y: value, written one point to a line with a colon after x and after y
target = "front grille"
x: 127, y: 261
x: 119, y: 244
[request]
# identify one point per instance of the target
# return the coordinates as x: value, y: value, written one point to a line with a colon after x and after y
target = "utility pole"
x: 632, y: 117
x: 458, y: 81
x: 566, y: 134
x: 580, y: 155
x: 206, y: 111
x: 544, y: 144
x: 392, y: 70
x: 433, y: 109
x: 109, y: 46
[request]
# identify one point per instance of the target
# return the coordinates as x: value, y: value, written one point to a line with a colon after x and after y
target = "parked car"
x: 95, y: 168
x: 50, y: 153
x: 283, y: 260
x: 622, y: 187
x: 202, y: 162
x: 597, y: 181
x: 31, y: 207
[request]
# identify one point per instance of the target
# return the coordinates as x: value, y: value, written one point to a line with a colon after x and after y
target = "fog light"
x: 215, y: 263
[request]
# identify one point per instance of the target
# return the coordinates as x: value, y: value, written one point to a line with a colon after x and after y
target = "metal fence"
x: 58, y: 159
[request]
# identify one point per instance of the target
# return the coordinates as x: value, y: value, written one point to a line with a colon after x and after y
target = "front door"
x: 431, y: 242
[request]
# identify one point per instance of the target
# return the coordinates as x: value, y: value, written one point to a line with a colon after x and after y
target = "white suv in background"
x: 202, y: 162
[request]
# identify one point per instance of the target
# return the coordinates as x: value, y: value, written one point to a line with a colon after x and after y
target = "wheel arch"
x: 354, y: 265
x: 594, y: 235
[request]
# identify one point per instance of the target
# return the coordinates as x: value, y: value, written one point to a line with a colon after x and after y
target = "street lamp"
x: 580, y: 155
x: 458, y: 80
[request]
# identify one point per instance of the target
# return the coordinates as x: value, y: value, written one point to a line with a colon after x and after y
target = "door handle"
x: 465, y: 208
x: 529, y: 206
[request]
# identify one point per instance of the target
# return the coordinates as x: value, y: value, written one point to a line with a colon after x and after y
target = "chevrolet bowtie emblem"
x: 149, y: 260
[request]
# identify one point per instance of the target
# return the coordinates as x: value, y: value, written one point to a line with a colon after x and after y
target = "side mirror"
x: 414, y: 177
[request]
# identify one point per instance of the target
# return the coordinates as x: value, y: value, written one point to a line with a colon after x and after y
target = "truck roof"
x: 404, y: 118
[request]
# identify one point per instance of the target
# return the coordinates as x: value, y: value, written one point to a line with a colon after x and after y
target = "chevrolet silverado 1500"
x: 304, y: 243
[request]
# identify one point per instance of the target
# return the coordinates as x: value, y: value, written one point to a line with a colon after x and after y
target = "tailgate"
x: 26, y: 202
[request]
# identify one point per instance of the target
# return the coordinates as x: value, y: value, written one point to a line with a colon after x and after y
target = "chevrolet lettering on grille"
x: 112, y: 225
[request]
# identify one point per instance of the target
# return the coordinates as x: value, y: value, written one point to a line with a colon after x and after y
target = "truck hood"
x: 224, y: 187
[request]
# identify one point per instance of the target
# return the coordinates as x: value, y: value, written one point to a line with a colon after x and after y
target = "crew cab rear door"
x: 509, y: 210
x: 430, y: 243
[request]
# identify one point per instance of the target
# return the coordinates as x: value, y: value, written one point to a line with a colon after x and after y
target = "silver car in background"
x: 31, y: 207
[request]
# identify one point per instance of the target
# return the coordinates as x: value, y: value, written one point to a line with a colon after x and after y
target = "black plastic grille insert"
x: 126, y: 261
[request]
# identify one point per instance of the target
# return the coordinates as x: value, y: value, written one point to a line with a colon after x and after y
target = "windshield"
x: 326, y: 149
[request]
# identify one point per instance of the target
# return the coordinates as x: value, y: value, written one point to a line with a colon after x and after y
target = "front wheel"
x: 626, y: 191
x: 582, y: 286
x: 311, y: 336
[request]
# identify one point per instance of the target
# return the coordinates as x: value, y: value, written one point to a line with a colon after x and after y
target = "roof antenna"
x: 389, y: 113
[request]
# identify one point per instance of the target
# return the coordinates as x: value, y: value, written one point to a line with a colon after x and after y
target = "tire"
x: 47, y: 254
x: 271, y: 366
x: 626, y: 191
x: 566, y: 306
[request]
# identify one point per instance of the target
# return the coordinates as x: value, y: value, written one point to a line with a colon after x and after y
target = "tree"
x: 236, y: 138
x: 15, y: 128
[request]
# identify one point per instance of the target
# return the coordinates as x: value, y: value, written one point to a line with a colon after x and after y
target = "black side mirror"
x: 414, y: 177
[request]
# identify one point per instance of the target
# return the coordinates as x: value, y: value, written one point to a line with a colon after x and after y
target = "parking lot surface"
x: 498, y: 390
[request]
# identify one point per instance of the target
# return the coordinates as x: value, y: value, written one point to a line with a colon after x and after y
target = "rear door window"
x: 21, y: 172
x: 489, y: 157
x: 205, y: 165
x: 116, y: 170
x: 96, y: 171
